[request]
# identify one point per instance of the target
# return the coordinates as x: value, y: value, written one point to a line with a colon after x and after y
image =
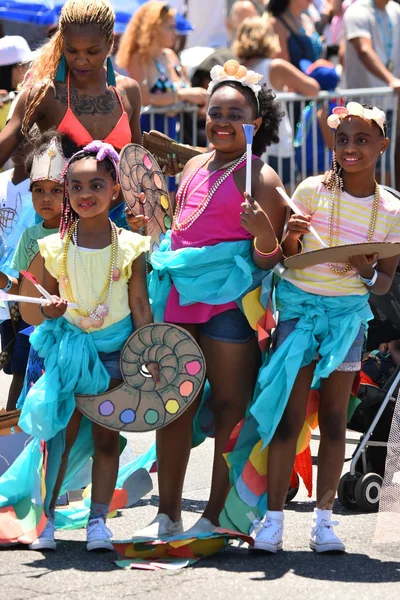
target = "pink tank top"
x: 220, y: 222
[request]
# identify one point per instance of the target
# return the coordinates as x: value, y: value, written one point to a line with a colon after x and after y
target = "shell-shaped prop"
x: 141, y: 404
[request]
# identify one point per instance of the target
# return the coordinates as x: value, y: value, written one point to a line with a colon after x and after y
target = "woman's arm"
x: 11, y: 136
x: 138, y: 296
x: 284, y: 74
x: 282, y: 34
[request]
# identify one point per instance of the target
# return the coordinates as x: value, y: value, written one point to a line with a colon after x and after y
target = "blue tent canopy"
x: 46, y: 12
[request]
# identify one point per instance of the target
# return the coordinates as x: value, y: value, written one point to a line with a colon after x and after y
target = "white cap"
x: 14, y: 49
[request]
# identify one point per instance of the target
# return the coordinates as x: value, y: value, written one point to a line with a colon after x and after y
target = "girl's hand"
x: 171, y: 167
x: 364, y: 264
x: 253, y: 219
x: 298, y: 225
x: 56, y: 309
x: 154, y: 370
x: 136, y: 222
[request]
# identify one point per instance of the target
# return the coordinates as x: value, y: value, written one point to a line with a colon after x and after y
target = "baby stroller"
x: 360, y: 488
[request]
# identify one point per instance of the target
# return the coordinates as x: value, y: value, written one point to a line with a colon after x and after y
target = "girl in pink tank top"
x: 212, y: 208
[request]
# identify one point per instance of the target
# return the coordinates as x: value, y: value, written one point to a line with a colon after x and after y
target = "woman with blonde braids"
x: 72, y: 86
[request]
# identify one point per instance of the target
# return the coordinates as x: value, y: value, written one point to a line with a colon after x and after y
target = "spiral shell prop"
x: 140, y: 404
x: 140, y: 172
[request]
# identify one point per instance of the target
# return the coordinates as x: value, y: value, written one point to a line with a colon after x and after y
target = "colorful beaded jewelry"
x: 178, y: 224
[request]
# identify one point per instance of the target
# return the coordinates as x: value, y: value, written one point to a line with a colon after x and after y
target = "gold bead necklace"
x: 334, y: 224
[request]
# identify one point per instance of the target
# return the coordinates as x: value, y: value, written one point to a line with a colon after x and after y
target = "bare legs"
x: 105, y: 458
x: 334, y: 398
x: 232, y: 371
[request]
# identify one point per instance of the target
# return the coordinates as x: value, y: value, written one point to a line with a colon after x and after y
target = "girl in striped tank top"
x: 323, y: 317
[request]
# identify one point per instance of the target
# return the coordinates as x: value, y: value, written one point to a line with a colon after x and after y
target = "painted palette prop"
x: 139, y: 172
x: 341, y: 254
x: 140, y: 404
x: 30, y: 313
x: 160, y: 145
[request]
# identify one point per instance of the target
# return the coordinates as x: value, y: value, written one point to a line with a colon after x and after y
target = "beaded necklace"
x: 90, y: 317
x: 178, y: 224
x: 334, y: 224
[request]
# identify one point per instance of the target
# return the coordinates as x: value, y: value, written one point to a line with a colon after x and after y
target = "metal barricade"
x: 300, y: 166
x: 178, y: 110
x: 304, y: 161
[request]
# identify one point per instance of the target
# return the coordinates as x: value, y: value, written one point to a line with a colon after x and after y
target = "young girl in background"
x: 101, y: 268
x: 218, y: 241
x: 323, y: 317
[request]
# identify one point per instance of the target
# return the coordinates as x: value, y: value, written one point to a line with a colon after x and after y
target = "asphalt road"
x: 366, y: 571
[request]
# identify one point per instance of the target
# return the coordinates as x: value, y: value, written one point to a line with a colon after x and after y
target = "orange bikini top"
x: 73, y: 128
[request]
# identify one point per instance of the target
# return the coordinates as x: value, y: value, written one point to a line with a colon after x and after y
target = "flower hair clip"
x: 355, y: 109
x: 233, y: 71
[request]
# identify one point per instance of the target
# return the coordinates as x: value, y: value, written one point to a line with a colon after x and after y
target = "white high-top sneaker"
x: 323, y: 538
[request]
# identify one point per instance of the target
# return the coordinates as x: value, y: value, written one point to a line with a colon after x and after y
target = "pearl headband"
x: 233, y: 71
x: 355, y: 109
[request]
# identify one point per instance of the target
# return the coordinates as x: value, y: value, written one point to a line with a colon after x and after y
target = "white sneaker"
x: 323, y: 538
x: 46, y: 540
x: 203, y: 525
x: 161, y: 526
x: 269, y: 534
x: 98, y: 536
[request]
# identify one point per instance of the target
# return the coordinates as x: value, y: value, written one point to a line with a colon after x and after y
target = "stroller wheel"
x: 368, y: 492
x: 346, y: 490
x: 292, y: 491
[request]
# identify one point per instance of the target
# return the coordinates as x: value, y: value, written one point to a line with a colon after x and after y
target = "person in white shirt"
x: 372, y: 58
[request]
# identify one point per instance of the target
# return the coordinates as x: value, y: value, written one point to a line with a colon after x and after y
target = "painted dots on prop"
x: 140, y: 403
x: 139, y: 172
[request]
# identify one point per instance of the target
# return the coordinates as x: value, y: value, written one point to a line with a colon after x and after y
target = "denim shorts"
x: 230, y: 326
x: 111, y: 361
x: 352, y: 361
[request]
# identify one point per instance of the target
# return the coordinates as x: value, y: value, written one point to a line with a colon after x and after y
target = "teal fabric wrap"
x: 211, y: 274
x: 328, y: 324
x: 72, y: 365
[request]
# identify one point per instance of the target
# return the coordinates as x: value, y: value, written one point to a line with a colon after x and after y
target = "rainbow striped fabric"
x: 313, y: 198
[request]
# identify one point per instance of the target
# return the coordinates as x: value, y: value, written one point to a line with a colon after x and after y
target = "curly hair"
x: 44, y: 69
x: 256, y: 38
x: 267, y: 108
x: 142, y: 31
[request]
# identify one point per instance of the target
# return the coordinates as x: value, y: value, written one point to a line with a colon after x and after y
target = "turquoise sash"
x: 212, y: 274
x: 72, y: 366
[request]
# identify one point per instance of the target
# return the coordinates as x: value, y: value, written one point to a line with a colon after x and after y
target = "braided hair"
x: 332, y: 179
x: 44, y: 68
x: 68, y: 215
